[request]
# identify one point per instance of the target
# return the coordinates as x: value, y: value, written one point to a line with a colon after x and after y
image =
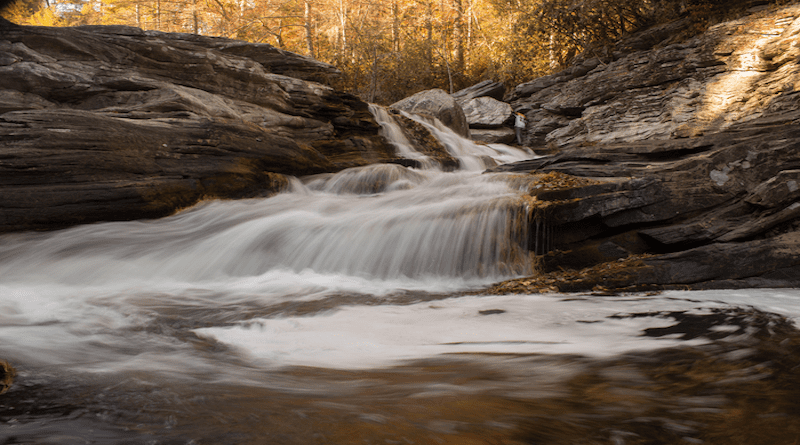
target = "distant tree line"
x: 386, y: 49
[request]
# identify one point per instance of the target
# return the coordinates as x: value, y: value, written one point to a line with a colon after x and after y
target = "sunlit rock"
x: 735, y: 72
x: 693, y: 147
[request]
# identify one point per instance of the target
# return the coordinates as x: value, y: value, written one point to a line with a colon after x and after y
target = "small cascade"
x: 541, y: 240
x: 395, y: 135
x: 451, y: 225
x: 382, y: 221
x: 378, y: 178
x: 470, y: 155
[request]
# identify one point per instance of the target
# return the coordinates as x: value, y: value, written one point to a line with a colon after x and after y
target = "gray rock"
x: 687, y: 152
x: 503, y: 135
x: 485, y: 112
x: 116, y: 123
x: 438, y: 104
x: 486, y: 88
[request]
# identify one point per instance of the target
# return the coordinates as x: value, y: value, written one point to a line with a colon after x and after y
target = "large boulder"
x: 115, y: 123
x: 486, y: 112
x: 488, y: 117
x: 684, y: 157
x: 438, y: 104
x: 486, y: 88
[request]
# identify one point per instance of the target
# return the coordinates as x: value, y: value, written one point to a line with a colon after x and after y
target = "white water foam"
x: 362, y: 337
x: 127, y: 295
x: 87, y: 296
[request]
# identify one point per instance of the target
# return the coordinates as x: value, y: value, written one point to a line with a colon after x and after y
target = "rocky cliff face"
x: 669, y: 163
x: 110, y: 123
x: 686, y: 154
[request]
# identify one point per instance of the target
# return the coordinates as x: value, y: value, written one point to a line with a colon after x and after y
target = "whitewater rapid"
x: 360, y: 269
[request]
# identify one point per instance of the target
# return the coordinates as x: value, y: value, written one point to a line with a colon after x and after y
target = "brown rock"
x: 687, y: 153
x: 116, y: 123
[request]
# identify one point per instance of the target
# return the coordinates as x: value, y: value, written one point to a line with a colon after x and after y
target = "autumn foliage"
x: 386, y: 49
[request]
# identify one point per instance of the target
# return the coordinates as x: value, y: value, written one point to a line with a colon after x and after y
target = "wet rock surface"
x: 115, y: 123
x: 686, y: 152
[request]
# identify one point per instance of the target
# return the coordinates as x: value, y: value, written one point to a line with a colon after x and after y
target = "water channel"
x: 342, y: 311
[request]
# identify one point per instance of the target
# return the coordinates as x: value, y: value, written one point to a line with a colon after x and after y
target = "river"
x: 344, y: 311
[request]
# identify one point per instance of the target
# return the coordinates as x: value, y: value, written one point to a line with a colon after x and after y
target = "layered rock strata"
x: 688, y: 152
x: 115, y: 123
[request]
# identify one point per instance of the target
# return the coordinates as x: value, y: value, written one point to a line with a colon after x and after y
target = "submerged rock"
x: 7, y: 374
x: 105, y: 123
x: 502, y: 135
x: 687, y: 153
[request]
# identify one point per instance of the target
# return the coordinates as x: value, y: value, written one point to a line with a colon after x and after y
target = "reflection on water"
x: 727, y: 373
x: 739, y: 386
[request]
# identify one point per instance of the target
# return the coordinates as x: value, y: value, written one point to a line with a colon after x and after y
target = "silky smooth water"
x: 338, y: 312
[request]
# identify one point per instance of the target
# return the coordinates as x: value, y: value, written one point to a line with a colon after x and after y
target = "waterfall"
x: 541, y: 234
x: 383, y: 221
x: 471, y: 156
x: 339, y: 300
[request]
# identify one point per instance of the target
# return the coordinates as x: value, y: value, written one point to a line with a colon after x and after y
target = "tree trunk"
x: 374, y: 78
x: 395, y: 26
x: 429, y: 37
x: 279, y: 35
x: 195, y: 18
x: 308, y: 28
x: 458, y: 30
x: 342, y: 27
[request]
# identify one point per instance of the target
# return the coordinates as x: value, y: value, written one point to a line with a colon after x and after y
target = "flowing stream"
x: 339, y: 311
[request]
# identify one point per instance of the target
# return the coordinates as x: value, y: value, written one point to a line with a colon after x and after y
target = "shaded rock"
x: 540, y: 123
x: 763, y: 263
x: 486, y: 88
x: 438, y: 104
x: 116, y: 123
x: 772, y: 262
x: 7, y: 374
x: 777, y: 190
x: 503, y: 135
x: 485, y: 112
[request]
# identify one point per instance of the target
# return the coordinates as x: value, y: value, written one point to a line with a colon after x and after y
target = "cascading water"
x: 244, y: 321
x: 373, y: 229
x: 376, y: 222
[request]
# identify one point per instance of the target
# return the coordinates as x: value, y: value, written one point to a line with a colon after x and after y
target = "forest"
x: 389, y: 49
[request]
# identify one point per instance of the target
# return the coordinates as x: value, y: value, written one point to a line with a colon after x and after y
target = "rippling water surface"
x: 341, y: 311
